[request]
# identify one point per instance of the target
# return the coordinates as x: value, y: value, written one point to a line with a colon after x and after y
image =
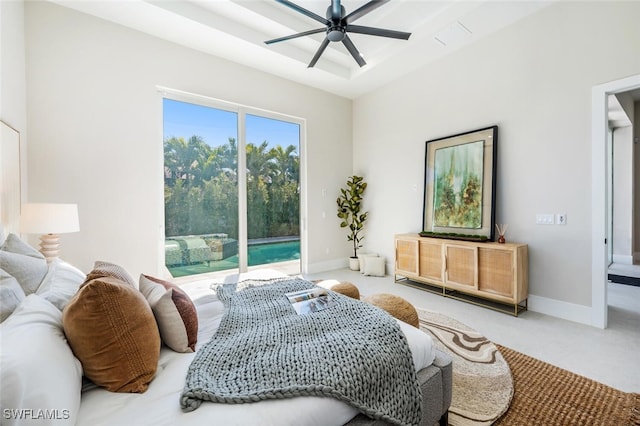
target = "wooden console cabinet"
x: 491, y: 274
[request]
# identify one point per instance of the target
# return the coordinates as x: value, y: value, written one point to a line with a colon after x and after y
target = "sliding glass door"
x: 273, y: 190
x: 231, y: 189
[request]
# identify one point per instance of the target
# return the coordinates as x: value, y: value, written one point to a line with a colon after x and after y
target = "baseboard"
x: 329, y: 265
x: 560, y: 309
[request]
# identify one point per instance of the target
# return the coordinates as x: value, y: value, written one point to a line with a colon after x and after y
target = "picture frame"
x: 460, y: 185
x: 10, y: 180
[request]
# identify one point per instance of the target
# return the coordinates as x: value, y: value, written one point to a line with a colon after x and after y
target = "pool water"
x: 259, y: 254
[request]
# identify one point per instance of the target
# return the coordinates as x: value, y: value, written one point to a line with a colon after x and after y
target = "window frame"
x: 242, y: 111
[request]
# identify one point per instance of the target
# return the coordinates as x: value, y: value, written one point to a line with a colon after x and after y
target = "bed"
x: 42, y: 378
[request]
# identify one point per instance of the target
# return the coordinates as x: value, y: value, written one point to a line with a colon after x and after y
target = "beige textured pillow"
x: 174, y: 311
x: 107, y: 269
x: 112, y: 331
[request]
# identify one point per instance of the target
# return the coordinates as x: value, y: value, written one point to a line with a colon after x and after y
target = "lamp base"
x: 49, y: 246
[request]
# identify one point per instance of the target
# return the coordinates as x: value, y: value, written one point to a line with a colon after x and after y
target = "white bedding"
x: 160, y: 405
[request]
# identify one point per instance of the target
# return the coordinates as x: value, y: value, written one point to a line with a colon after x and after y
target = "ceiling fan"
x: 338, y: 24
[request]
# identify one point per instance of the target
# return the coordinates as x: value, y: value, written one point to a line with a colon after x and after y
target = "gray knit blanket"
x: 263, y: 350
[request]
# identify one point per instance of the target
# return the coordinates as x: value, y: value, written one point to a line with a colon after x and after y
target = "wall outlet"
x: 561, y: 218
x: 544, y: 219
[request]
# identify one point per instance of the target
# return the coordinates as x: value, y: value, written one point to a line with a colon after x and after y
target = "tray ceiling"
x: 236, y: 30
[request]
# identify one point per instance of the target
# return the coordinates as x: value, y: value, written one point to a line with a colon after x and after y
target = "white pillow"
x: 61, y: 283
x: 11, y: 294
x: 363, y: 260
x: 23, y: 262
x: 374, y: 266
x: 41, y: 379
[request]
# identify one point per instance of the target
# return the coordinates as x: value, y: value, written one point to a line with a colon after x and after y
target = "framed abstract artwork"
x: 460, y: 185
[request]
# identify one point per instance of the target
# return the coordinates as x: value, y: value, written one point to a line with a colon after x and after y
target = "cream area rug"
x: 482, y: 383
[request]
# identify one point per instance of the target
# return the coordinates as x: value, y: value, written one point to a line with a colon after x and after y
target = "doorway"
x: 601, y: 191
x: 621, y: 188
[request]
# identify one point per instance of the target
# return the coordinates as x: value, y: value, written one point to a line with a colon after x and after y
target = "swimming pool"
x: 259, y: 254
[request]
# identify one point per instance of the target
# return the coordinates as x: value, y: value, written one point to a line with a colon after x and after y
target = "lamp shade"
x: 42, y: 218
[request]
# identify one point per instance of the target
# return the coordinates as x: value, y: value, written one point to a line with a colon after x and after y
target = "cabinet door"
x: 431, y: 265
x: 407, y: 257
x: 461, y: 266
x: 496, y: 273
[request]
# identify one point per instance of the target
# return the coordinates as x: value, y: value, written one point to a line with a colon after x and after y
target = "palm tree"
x: 184, y: 159
x: 200, y: 179
x: 260, y: 162
x: 285, y: 192
x: 287, y: 162
x: 223, y: 159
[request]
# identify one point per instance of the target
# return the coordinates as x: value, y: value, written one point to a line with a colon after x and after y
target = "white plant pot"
x: 354, y: 264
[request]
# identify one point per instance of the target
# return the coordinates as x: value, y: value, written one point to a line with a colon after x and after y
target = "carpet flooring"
x: 548, y: 395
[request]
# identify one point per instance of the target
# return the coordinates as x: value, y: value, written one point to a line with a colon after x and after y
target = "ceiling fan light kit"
x: 338, y: 24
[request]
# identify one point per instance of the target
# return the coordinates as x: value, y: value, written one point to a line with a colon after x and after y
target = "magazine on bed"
x: 310, y: 300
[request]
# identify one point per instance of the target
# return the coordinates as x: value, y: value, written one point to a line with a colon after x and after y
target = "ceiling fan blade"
x: 304, y: 11
x: 289, y: 37
x: 360, y: 12
x: 381, y: 32
x: 336, y: 10
x: 354, y: 52
x: 323, y: 46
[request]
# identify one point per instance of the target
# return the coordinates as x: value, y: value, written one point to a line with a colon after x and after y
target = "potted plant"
x: 349, y: 206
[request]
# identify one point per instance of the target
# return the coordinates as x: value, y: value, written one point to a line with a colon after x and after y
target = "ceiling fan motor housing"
x: 335, y: 33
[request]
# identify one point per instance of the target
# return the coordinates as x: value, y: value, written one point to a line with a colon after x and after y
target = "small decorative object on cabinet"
x: 494, y: 275
x: 502, y: 229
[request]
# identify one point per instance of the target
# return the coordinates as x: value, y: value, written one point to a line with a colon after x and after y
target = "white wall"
x: 13, y: 110
x: 95, y: 124
x: 534, y: 80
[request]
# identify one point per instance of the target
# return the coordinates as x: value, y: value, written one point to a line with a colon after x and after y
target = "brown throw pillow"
x: 112, y: 331
x: 174, y: 311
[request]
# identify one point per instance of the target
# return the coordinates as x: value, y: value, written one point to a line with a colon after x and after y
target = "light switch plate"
x: 545, y: 219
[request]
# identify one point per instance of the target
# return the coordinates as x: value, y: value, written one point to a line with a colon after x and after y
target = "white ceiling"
x: 236, y: 30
